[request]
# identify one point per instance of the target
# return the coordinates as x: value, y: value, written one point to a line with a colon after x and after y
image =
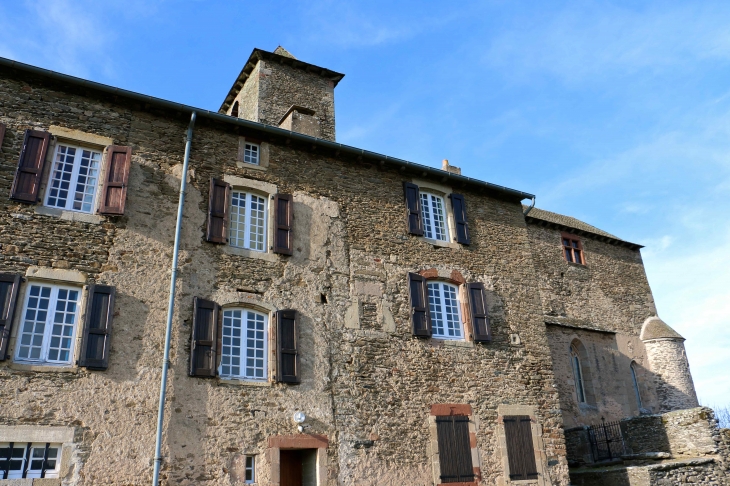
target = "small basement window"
x: 573, y: 249
x: 251, y: 153
x: 250, y: 477
x: 20, y: 460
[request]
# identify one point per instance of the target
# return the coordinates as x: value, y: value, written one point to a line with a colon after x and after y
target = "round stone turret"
x: 668, y: 362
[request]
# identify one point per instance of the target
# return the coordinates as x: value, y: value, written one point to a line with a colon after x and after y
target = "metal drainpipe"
x: 171, y: 304
x: 527, y: 211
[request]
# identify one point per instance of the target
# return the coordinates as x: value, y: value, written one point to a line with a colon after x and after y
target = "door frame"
x: 298, y: 441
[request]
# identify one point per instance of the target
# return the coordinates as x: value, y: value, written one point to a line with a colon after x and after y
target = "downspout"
x: 527, y: 211
x: 171, y: 304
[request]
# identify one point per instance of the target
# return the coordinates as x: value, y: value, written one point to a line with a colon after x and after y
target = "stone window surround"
x: 294, y: 442
x: 57, y: 276
x: 461, y: 409
x: 456, y: 278
x: 590, y: 402
x: 268, y: 191
x: 227, y: 300
x: 572, y: 237
x: 263, y: 154
x: 77, y: 138
x: 42, y: 434
x: 543, y: 478
x: 443, y: 191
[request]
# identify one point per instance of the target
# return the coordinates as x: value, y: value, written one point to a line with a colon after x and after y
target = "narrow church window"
x: 443, y: 301
x: 49, y: 324
x: 74, y: 178
x: 244, y: 345
x: 577, y: 374
x: 434, y: 220
x: 251, y: 153
x: 572, y: 249
x: 248, y: 221
x: 636, y: 383
x: 250, y: 470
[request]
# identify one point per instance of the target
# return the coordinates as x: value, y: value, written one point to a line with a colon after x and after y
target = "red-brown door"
x: 291, y: 467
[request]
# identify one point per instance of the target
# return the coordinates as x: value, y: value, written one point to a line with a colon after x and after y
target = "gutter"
x: 279, y: 132
x: 171, y: 304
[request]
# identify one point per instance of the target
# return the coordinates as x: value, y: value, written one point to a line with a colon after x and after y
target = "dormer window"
x: 573, y: 249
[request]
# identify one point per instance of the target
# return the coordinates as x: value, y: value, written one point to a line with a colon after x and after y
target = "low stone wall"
x: 698, y: 471
x: 684, y: 433
x: 577, y: 446
x: 644, y: 434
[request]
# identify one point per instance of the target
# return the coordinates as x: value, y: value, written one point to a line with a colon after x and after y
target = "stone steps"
x: 704, y: 471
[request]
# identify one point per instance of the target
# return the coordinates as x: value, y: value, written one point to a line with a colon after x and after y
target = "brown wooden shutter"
x: 413, y: 205
x: 28, y: 175
x: 97, y: 327
x: 204, y: 341
x: 9, y: 285
x: 2, y: 133
x: 454, y: 449
x: 284, y: 212
x: 520, y: 452
x: 479, y: 318
x: 420, y: 313
x: 219, y: 211
x: 287, y: 347
x: 458, y: 203
x: 116, y: 177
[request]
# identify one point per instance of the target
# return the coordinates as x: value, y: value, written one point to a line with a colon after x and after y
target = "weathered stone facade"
x: 368, y: 387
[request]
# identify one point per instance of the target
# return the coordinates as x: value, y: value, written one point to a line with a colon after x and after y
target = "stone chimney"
x: 450, y: 168
x: 275, y: 88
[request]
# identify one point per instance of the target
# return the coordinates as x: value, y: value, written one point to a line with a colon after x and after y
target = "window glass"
x: 434, y: 220
x: 251, y: 153
x: 245, y: 337
x: 49, y: 324
x: 636, y: 384
x: 443, y: 301
x: 248, y: 221
x: 21, y: 459
x: 577, y: 375
x: 250, y: 470
x: 74, y: 178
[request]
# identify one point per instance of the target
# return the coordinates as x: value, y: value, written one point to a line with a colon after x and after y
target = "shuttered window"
x: 204, y: 339
x: 413, y: 207
x: 244, y: 345
x: 284, y: 207
x: 74, y: 179
x: 458, y: 203
x: 433, y: 213
x: 520, y: 451
x: 116, y: 177
x: 96, y: 342
x: 445, y: 310
x: 248, y: 221
x: 454, y: 449
x: 420, y: 314
x: 9, y: 285
x: 49, y: 324
x: 27, y: 181
x: 287, y: 346
x: 218, y: 211
x: 479, y: 318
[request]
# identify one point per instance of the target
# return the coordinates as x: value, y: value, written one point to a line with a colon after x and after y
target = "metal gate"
x: 606, y: 440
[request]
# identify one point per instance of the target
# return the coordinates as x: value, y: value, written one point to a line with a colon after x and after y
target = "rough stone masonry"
x: 308, y: 282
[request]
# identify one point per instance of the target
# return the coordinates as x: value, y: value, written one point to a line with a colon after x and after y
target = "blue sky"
x: 617, y: 113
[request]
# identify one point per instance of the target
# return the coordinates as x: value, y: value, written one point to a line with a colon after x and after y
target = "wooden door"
x: 290, y: 467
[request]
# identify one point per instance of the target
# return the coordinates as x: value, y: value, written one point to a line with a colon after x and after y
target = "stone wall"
x: 672, y: 379
x: 367, y: 387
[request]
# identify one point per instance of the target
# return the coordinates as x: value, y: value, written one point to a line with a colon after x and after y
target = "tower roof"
x: 281, y: 56
x: 655, y: 328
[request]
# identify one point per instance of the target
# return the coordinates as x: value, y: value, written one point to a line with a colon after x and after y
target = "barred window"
x: 244, y: 345
x: 434, y: 219
x: 445, y: 309
x: 248, y: 221
x: 20, y: 460
x: 74, y: 179
x: 49, y: 324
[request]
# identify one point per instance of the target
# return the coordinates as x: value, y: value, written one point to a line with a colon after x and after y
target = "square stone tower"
x: 277, y: 89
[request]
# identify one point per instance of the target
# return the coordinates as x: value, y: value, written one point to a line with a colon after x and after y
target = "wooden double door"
x: 298, y: 467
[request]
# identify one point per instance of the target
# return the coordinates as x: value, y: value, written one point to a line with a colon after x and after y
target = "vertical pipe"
x: 171, y: 305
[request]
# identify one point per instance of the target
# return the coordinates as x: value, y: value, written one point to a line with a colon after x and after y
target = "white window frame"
x: 438, y: 309
x: 49, y: 324
x: 431, y: 228
x: 234, y: 231
x: 74, y: 178
x: 242, y: 357
x: 251, y: 469
x: 248, y: 153
x: 578, y: 375
x: 28, y: 456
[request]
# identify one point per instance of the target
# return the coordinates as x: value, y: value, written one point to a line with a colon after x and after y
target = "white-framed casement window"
x: 443, y: 301
x: 248, y: 220
x: 433, y: 212
x: 29, y: 460
x: 244, y: 351
x: 250, y: 475
x: 74, y: 178
x: 577, y: 374
x: 251, y: 153
x: 48, y: 325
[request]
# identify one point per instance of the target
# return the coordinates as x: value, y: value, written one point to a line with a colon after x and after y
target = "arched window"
x: 244, y: 351
x: 577, y: 374
x: 635, y: 381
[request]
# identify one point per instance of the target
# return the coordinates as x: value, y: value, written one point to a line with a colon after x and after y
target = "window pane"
x: 87, y: 181
x: 257, y: 231
x: 569, y: 254
x: 436, y: 307
x: 248, y: 221
x: 250, y: 478
x: 61, y: 178
x: 439, y: 225
x: 237, y: 236
x: 251, y: 154
x: 445, y: 314
x: 231, y: 351
x: 74, y: 179
x: 255, y: 345
x: 578, y: 256
x: 31, y: 338
x: 63, y: 327
x: 426, y: 215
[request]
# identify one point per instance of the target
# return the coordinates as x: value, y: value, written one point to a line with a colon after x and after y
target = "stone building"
x: 341, y: 317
